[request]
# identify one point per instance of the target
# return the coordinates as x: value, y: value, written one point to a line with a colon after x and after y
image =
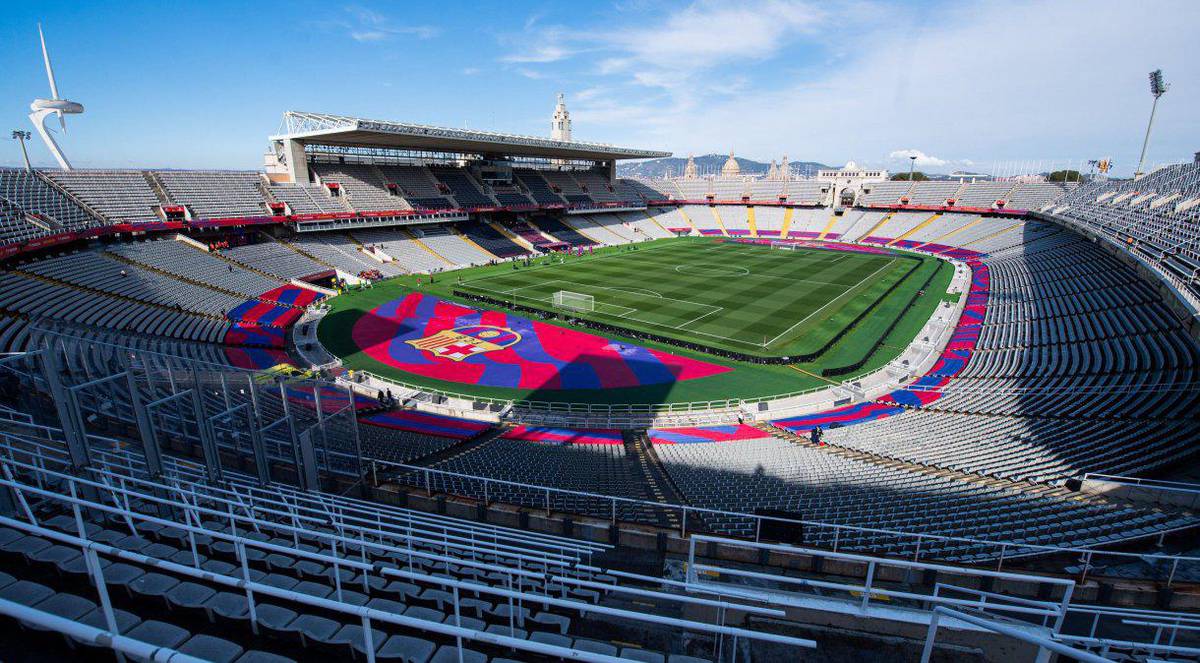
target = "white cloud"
x: 471, y: 71
x: 369, y: 35
x: 709, y: 33
x: 985, y: 80
x: 370, y: 26
x: 672, y: 50
x: 539, y: 54
x: 590, y: 93
x: 922, y: 160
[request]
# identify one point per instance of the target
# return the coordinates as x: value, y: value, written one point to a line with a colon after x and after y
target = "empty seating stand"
x: 122, y: 196
x: 303, y: 199
x: 451, y: 246
x: 397, y: 243
x: 829, y: 488
x: 363, y: 186
x: 98, y: 271
x: 216, y: 194
x: 561, y: 232
x: 195, y: 264
x: 564, y: 184
x: 463, y: 187
x: 15, y: 224
x: 339, y: 250
x: 538, y: 188
x: 491, y: 239
x: 419, y: 187
x: 41, y: 299
x: 275, y: 259
x: 54, y: 212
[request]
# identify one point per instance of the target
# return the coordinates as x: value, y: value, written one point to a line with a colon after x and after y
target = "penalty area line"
x: 831, y: 302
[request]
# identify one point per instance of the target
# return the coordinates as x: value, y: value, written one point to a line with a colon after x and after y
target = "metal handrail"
x: 1003, y: 629
x: 367, y: 614
x: 1160, y: 484
x: 1031, y: 607
x: 124, y: 644
x: 918, y: 538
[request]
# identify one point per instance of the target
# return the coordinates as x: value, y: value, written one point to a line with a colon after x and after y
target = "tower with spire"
x: 689, y: 171
x: 560, y: 124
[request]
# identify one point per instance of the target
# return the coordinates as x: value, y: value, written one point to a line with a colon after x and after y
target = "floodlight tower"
x: 44, y: 108
x: 912, y: 161
x: 1158, y: 89
x: 23, y: 136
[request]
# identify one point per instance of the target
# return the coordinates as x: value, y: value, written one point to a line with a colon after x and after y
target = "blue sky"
x: 965, y: 84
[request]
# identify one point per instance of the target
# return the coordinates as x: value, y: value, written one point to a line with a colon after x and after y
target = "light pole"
x: 1158, y: 89
x: 912, y: 161
x: 23, y: 136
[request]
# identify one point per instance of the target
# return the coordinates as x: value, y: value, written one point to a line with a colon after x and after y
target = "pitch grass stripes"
x: 745, y: 298
x: 745, y: 381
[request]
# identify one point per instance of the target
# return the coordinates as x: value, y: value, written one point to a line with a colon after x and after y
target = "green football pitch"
x: 703, y: 291
x: 745, y: 298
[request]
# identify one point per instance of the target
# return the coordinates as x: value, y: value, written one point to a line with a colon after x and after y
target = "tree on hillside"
x: 1064, y: 176
x: 917, y: 176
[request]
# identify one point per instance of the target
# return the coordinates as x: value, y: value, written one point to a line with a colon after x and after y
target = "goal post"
x: 574, y: 301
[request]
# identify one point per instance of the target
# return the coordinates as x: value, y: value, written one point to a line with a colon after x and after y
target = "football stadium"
x: 417, y: 393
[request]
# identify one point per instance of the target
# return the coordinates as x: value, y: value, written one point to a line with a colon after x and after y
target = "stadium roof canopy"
x: 339, y: 130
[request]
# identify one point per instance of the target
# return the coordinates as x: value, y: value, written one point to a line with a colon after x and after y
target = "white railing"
x: 832, y: 535
x: 1042, y: 642
x: 1136, y: 489
x: 96, y: 637
x: 997, y: 552
x: 339, y: 555
x: 1051, y: 613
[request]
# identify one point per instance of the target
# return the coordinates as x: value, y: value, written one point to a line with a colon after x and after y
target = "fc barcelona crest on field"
x: 461, y: 342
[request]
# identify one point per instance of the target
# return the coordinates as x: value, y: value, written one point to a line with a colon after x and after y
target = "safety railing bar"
x: 1003, y: 629
x: 777, y: 595
x: 1055, y: 605
x: 909, y: 536
x: 429, y: 520
x: 1163, y: 625
x: 431, y: 523
x: 96, y: 381
x: 1130, y: 644
x: 855, y: 557
x: 683, y: 598
x: 321, y: 557
x: 1105, y: 611
x: 445, y: 629
x: 407, y: 514
x: 547, y: 539
x: 227, y: 515
x: 1013, y: 549
x: 93, y: 635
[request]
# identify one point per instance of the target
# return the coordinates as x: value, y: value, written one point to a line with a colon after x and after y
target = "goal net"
x: 573, y: 301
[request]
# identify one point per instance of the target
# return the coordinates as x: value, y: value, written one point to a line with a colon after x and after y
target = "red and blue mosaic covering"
x: 435, y: 338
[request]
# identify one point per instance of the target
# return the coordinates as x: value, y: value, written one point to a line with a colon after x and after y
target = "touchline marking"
x: 652, y: 293
x: 719, y: 308
x: 607, y: 256
x: 789, y: 329
x: 630, y: 313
